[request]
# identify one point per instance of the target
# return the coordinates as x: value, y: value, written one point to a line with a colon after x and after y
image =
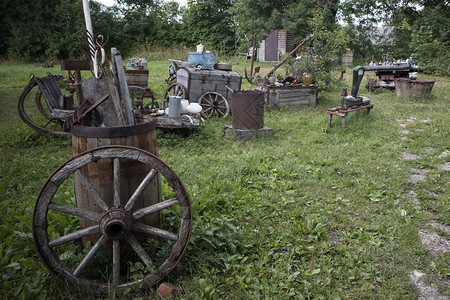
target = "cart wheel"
x: 174, y: 89
x: 172, y: 71
x: 125, y: 251
x: 136, y: 95
x: 36, y: 114
x: 213, y: 103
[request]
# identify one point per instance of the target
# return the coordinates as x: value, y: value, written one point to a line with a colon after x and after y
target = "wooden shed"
x: 277, y: 43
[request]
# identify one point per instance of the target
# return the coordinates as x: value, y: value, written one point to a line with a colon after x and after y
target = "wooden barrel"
x: 248, y: 110
x: 100, y: 173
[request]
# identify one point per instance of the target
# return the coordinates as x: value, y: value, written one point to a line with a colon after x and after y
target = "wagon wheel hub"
x: 116, y: 223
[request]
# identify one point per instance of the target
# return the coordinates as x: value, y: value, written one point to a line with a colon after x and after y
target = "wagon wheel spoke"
x: 154, y: 208
x: 89, y: 255
x: 116, y: 167
x: 74, y: 211
x: 139, y: 250
x: 74, y: 236
x: 211, y: 100
x: 155, y: 231
x: 91, y: 189
x: 140, y: 189
x: 116, y: 262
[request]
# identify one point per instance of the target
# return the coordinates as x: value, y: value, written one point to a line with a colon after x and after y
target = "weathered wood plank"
x: 174, y: 123
x: 123, y: 86
x: 105, y: 114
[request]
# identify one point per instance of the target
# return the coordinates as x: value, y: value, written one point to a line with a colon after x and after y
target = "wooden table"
x: 343, y: 111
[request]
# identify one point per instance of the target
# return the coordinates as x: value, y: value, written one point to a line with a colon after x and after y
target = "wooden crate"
x: 197, y: 82
x: 289, y: 95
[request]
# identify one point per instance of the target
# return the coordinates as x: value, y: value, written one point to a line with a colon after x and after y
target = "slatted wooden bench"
x: 343, y: 111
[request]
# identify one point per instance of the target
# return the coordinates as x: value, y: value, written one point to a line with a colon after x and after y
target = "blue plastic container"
x: 204, y: 60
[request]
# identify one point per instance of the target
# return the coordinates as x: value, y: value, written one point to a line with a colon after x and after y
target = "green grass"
x: 311, y: 212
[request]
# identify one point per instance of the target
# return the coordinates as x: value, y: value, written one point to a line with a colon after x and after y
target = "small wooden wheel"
x: 174, y: 89
x: 172, y: 72
x: 119, y: 250
x: 137, y: 95
x: 213, y: 103
x: 36, y: 113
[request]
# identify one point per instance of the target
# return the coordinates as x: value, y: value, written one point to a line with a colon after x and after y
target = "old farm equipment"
x: 353, y: 102
x: 387, y: 75
x: 114, y: 216
x: 211, y: 88
x: 43, y: 106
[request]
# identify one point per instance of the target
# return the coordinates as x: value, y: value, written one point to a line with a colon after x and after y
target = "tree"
x: 261, y: 16
x: 209, y: 22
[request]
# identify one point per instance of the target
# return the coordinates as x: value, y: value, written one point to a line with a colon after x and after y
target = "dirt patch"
x: 429, y: 149
x: 416, y: 178
x: 435, y: 243
x: 442, y: 227
x: 410, y: 156
x: 428, y: 291
x: 419, y: 171
x: 444, y: 154
x: 445, y: 166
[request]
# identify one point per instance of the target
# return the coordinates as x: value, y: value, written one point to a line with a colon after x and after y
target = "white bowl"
x: 194, y: 108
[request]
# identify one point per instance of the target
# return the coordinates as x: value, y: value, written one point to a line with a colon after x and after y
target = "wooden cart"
x: 211, y: 89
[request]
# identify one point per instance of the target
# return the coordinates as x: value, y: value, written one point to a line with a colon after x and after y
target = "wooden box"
x: 289, y: 95
x: 197, y: 82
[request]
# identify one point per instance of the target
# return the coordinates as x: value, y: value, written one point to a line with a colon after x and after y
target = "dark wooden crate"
x: 289, y: 95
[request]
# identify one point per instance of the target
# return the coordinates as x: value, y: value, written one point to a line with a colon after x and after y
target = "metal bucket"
x: 405, y: 87
x: 137, y: 77
x: 248, y: 110
x: 100, y: 173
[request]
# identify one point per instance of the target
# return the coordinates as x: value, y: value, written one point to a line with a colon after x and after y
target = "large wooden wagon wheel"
x: 125, y: 252
x: 174, y: 89
x: 34, y: 111
x: 213, y: 103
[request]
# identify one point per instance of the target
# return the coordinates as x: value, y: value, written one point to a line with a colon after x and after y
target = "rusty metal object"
x: 248, y: 110
x: 343, y: 111
x: 387, y: 74
x: 82, y: 110
x: 405, y: 87
x: 250, y: 78
x: 116, y: 225
x: 285, y: 59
